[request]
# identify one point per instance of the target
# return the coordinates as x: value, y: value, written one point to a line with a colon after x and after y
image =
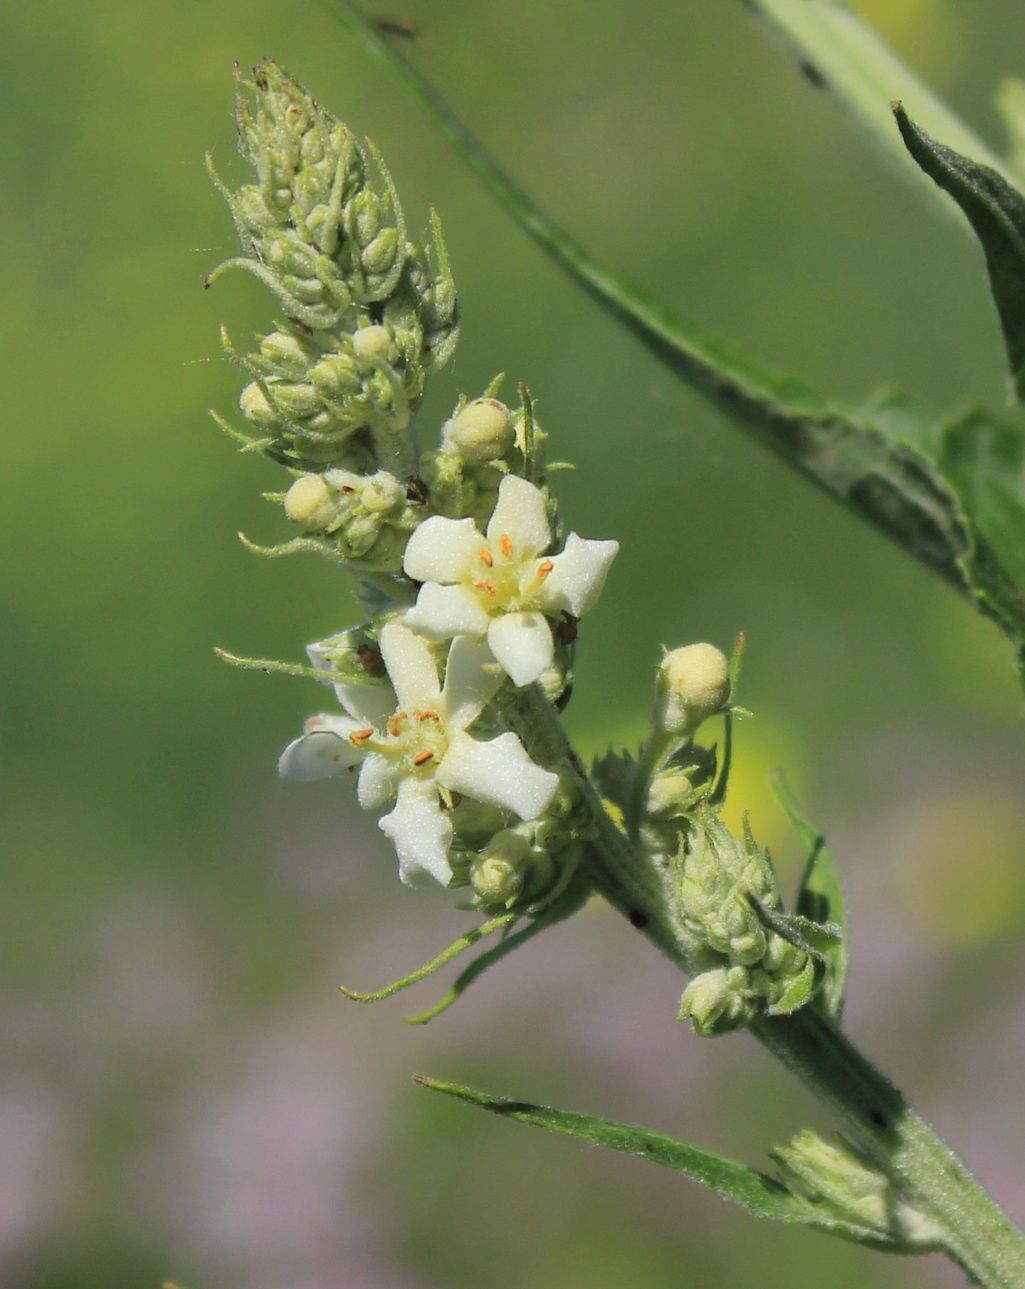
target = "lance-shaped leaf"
x: 889, y: 482
x: 820, y: 899
x: 761, y: 1195
x: 996, y: 211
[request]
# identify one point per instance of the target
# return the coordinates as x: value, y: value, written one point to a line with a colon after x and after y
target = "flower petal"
x: 420, y: 831
x: 499, y: 773
x: 442, y: 550
x: 444, y: 611
x: 369, y: 704
x: 522, y: 643
x: 411, y: 667
x: 472, y: 678
x: 578, y: 575
x: 521, y: 514
x: 322, y: 752
x: 377, y: 780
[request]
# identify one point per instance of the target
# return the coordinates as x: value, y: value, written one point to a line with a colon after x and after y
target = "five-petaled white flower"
x: 422, y: 750
x: 502, y: 586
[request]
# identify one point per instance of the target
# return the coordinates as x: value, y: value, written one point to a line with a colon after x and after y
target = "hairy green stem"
x: 977, y: 1233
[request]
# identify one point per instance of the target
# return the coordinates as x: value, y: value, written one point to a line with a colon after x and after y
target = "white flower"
x: 498, y: 586
x: 421, y: 750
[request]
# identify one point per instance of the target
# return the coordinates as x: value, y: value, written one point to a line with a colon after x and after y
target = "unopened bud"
x: 693, y: 683
x: 382, y: 492
x: 371, y: 342
x: 482, y: 431
x: 255, y: 407
x: 311, y: 502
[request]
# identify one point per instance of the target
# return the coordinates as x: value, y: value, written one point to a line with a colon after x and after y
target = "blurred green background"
x: 183, y: 1093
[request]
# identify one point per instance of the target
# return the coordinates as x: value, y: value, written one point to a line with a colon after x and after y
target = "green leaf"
x: 759, y: 1194
x: 820, y: 898
x: 985, y: 461
x: 996, y: 211
x: 890, y: 483
x: 841, y: 55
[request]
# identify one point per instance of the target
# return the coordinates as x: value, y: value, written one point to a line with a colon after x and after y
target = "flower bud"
x: 693, y: 683
x: 311, y: 502
x: 371, y: 342
x: 482, y: 431
x: 497, y: 876
x: 382, y: 492
x: 496, y: 880
x: 255, y: 407
x: 286, y: 352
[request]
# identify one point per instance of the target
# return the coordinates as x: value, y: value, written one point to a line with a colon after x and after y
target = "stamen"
x: 545, y: 567
x: 423, y: 757
x: 361, y: 736
x: 487, y: 587
x: 427, y: 715
x: 505, y: 542
x: 486, y: 557
x: 395, y: 724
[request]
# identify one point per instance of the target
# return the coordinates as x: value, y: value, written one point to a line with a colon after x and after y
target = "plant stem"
x: 977, y: 1233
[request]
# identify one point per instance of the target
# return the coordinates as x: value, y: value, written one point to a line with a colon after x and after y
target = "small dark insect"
x: 371, y: 660
x: 416, y: 492
x: 812, y: 74
x: 638, y: 919
x: 566, y: 628
x: 396, y: 27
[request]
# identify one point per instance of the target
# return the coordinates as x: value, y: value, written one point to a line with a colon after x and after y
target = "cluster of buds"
x: 363, y: 520
x: 369, y: 313
x: 726, y: 892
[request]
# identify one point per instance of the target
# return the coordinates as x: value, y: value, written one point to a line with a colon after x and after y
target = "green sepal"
x: 820, y: 897
x: 756, y: 1192
x: 996, y: 211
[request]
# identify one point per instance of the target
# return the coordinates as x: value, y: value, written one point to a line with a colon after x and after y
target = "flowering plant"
x: 452, y: 687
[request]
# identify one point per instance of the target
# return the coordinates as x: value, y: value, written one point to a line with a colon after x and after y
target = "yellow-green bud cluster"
x: 721, y: 883
x: 368, y: 518
x: 370, y: 313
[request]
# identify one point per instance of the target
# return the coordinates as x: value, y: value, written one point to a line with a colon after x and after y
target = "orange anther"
x: 486, y: 557
x: 361, y: 736
x: 486, y: 587
x: 506, y: 544
x: 423, y: 757
x: 545, y: 567
x: 427, y: 715
x: 395, y: 724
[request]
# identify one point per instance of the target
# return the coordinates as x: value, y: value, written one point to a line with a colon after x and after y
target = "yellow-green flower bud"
x: 255, y: 407
x: 693, y: 683
x: 311, y: 503
x: 482, y: 431
x: 371, y: 342
x: 496, y: 880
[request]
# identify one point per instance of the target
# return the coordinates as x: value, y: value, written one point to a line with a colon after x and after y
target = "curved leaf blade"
x: 996, y: 211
